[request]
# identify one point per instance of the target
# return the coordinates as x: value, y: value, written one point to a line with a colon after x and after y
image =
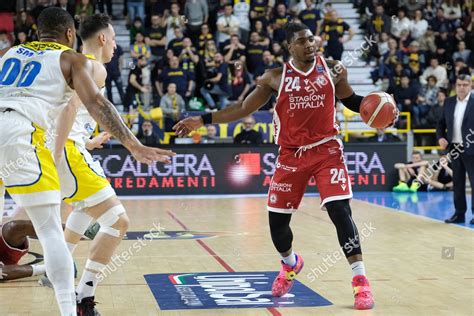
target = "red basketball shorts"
x: 294, y: 168
x: 10, y: 255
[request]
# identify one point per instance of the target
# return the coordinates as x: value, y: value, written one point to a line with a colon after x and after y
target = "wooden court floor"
x: 405, y: 257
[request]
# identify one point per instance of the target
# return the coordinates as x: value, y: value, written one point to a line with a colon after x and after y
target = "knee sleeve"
x: 46, y: 220
x: 347, y: 234
x: 109, y: 218
x: 280, y: 230
x: 78, y: 221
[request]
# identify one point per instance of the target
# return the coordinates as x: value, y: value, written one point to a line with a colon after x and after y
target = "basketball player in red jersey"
x: 305, y: 129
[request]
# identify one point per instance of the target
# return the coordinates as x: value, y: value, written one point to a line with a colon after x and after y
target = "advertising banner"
x: 220, y: 169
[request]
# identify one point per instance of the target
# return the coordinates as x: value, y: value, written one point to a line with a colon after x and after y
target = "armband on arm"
x: 353, y: 102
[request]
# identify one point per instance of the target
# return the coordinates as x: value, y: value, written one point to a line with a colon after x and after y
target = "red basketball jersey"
x: 305, y: 110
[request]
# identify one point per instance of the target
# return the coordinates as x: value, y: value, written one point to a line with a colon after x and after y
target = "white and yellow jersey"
x: 32, y: 83
x: 84, y: 125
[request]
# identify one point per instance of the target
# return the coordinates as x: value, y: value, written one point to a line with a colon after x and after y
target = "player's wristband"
x: 353, y: 102
x: 207, y: 118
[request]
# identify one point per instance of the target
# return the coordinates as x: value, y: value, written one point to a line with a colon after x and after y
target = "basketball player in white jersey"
x: 36, y: 79
x: 83, y: 182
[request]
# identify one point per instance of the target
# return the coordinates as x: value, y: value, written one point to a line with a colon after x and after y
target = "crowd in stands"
x: 203, y: 55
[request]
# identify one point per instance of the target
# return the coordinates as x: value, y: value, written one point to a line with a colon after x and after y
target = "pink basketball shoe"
x: 285, y: 279
x: 362, y: 293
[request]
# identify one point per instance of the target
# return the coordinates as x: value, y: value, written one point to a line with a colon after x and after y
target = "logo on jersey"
x: 285, y: 167
x: 281, y: 187
x: 88, y: 128
x: 273, y: 198
x: 320, y: 68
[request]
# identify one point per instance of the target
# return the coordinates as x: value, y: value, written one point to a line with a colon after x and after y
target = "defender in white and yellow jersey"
x: 83, y: 183
x: 36, y: 80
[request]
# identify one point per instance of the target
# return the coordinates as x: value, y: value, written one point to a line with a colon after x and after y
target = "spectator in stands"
x: 163, y: 63
x: 188, y: 57
x: 241, y: 11
x: 211, y: 135
x: 87, y: 6
x: 262, y: 32
x: 21, y: 38
x: 311, y: 17
x: 388, y: 61
x: 280, y: 55
x: 172, y: 105
x: 174, y: 21
x: 258, y: 9
x: 217, y: 84
x: 135, y: 84
x: 428, y: 42
x: 254, y: 54
x: 176, y: 44
x: 197, y: 14
x: 410, y: 172
x: 418, y: 25
x: 431, y: 119
x: 445, y: 46
x: 108, y: 5
x: 278, y: 23
x: 463, y: 53
x: 382, y: 137
x: 333, y: 31
x: 240, y: 82
x: 210, y: 51
x: 429, y: 11
x: 137, y: 27
x: 146, y: 135
x: 379, y: 22
x: 452, y: 11
x: 414, y: 60
x: 24, y: 23
x: 4, y: 41
x: 248, y: 135
x: 411, y: 6
x: 460, y: 68
x: 405, y: 96
x: 139, y: 48
x: 428, y: 96
x: 400, y: 23
x: 440, y: 23
x: 268, y: 63
x: 175, y: 74
x: 442, y: 178
x: 69, y: 7
x: 136, y: 8
x: 114, y: 74
x: 156, y: 38
x: 235, y: 51
x: 157, y: 7
x: 204, y: 37
x: 459, y: 36
x: 227, y: 25
x: 396, y: 77
x: 436, y: 70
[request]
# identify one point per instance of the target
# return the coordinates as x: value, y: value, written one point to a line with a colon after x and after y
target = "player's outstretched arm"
x: 104, y: 112
x: 254, y: 101
x: 63, y: 127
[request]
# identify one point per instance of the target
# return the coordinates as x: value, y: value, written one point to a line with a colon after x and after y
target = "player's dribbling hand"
x: 147, y: 155
x: 186, y: 126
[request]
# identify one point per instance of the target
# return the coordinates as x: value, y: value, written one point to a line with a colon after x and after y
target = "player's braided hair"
x: 292, y: 28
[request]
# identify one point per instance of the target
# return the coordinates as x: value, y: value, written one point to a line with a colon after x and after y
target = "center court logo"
x: 226, y: 290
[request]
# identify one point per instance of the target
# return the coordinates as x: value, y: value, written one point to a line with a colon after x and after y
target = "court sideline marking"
x: 221, y: 261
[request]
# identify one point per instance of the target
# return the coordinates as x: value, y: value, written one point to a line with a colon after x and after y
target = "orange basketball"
x: 378, y: 109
